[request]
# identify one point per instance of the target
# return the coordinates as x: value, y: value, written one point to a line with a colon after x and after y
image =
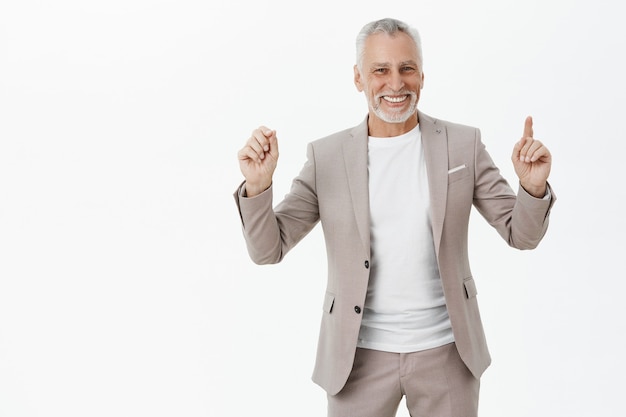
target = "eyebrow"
x: 387, y: 64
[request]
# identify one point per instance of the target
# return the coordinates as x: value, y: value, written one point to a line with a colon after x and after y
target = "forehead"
x: 385, y: 48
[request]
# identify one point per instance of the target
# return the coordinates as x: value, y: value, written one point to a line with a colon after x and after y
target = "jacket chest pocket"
x: 457, y: 173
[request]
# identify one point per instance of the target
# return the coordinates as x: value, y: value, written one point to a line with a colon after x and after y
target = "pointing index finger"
x: 528, y: 127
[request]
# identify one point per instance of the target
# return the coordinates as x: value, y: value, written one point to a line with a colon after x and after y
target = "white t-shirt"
x: 405, y: 309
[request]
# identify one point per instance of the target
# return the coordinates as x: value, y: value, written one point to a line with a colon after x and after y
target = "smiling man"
x: 393, y: 195
x: 389, y: 73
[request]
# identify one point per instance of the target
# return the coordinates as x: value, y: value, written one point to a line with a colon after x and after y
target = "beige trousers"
x: 436, y: 383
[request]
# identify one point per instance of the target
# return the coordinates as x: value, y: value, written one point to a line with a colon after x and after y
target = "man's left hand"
x: 532, y: 162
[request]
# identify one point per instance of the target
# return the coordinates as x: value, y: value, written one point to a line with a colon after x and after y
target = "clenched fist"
x: 258, y: 159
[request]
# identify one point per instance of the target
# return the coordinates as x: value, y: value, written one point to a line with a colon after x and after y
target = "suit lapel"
x: 355, y: 158
x: 435, y: 143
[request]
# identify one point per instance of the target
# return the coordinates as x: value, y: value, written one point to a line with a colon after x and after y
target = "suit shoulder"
x: 456, y: 133
x: 455, y: 127
x: 332, y: 140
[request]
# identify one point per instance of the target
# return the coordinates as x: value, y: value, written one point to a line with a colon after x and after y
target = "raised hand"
x: 532, y: 162
x: 258, y: 159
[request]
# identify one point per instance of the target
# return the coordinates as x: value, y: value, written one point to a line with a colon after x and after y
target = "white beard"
x: 394, y: 117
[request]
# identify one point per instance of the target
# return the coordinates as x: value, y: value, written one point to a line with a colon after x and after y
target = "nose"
x: 395, y: 81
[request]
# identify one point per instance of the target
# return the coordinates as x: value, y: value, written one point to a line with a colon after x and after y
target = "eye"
x: 408, y: 69
x: 380, y: 70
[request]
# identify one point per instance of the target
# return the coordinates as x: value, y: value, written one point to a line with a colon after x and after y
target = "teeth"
x: 395, y: 99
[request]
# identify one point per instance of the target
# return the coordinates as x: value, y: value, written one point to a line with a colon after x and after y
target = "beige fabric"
x: 436, y: 382
x: 333, y: 188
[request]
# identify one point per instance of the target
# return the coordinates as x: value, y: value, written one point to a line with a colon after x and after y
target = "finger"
x: 538, y: 151
x: 256, y: 147
x: 273, y: 144
x: 528, y: 127
x: 267, y: 133
x: 517, y: 149
x: 258, y: 136
x: 532, y: 149
x: 525, y: 144
x: 259, y: 141
x: 248, y: 153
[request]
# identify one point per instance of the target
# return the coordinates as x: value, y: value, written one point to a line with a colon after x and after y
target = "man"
x: 393, y: 195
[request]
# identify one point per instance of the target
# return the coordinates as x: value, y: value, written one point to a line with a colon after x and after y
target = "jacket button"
x: 367, y: 264
x: 357, y: 309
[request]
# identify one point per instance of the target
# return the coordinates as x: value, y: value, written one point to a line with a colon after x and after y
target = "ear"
x: 357, y: 79
x: 422, y: 83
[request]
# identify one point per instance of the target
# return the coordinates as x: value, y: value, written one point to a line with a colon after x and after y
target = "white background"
x: 125, y: 286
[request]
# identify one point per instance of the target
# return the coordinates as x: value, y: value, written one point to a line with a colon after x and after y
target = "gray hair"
x: 390, y: 27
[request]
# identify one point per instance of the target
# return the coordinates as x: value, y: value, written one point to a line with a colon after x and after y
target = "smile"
x: 391, y: 99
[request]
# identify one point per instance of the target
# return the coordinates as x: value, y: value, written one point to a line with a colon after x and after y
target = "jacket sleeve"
x: 271, y: 232
x: 521, y: 220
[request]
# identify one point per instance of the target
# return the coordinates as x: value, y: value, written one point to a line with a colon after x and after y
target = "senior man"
x: 393, y: 196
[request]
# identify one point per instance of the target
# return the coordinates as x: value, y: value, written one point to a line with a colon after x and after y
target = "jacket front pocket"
x: 329, y: 302
x: 470, y: 287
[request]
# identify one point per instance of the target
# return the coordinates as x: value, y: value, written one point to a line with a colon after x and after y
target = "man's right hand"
x: 257, y: 160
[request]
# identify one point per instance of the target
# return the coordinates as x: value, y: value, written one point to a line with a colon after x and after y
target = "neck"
x: 381, y: 129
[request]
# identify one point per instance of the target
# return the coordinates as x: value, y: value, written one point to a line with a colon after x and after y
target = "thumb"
x: 273, y: 143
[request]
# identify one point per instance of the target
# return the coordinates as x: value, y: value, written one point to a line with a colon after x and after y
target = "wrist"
x: 537, y: 191
x: 253, y: 189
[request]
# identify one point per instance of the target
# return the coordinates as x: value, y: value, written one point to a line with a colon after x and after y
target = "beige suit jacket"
x: 332, y: 188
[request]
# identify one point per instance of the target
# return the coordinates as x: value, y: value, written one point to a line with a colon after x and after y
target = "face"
x: 391, y: 80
